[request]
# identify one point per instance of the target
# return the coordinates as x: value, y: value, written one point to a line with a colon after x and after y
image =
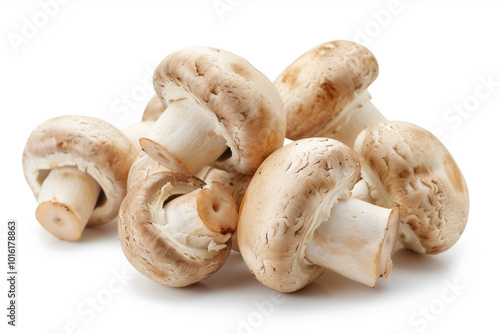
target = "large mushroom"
x: 325, y: 92
x: 77, y: 168
x: 297, y: 218
x: 220, y: 111
x: 175, y: 229
x: 406, y: 165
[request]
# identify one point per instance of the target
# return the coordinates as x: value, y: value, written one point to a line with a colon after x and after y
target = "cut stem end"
x: 67, y: 199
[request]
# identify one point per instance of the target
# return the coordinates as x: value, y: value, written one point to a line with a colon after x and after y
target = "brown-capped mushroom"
x: 325, y: 92
x: 297, y: 218
x: 235, y: 183
x: 175, y: 229
x: 220, y: 111
x: 77, y: 168
x: 406, y: 165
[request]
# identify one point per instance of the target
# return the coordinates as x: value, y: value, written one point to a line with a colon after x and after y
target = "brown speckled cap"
x: 244, y: 101
x: 318, y: 85
x: 407, y: 165
x: 168, y: 256
x: 92, y: 145
x: 291, y: 194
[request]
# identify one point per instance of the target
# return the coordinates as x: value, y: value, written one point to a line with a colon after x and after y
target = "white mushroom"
x: 77, y: 168
x: 406, y: 165
x: 297, y: 218
x: 175, y: 229
x: 325, y: 92
x: 220, y: 111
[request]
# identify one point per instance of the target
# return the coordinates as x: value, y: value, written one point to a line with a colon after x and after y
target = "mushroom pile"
x: 206, y: 171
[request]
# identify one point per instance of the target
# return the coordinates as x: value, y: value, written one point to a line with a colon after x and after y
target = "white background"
x: 96, y: 58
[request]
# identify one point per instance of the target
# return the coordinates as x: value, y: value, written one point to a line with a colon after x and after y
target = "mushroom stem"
x: 67, y: 199
x: 185, y: 138
x: 356, y: 241
x: 355, y: 117
x: 206, y: 212
x: 215, y: 211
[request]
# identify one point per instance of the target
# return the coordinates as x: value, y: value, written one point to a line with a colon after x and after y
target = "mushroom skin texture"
x: 153, y: 109
x: 176, y: 230
x: 235, y: 183
x: 294, y: 193
x: 141, y: 169
x: 221, y: 111
x: 406, y: 165
x: 325, y: 92
x: 96, y: 158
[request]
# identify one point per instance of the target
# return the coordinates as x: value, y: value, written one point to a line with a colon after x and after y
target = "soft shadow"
x: 233, y: 275
x: 331, y: 285
x: 404, y: 259
x: 151, y: 290
x: 100, y: 232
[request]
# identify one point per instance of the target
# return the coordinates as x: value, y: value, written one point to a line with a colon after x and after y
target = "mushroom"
x: 325, y: 92
x: 235, y: 183
x: 153, y: 109
x: 220, y: 111
x: 176, y: 230
x: 77, y: 168
x: 406, y: 165
x: 297, y: 218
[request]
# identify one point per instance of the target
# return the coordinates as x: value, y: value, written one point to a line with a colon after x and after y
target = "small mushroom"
x: 220, y: 111
x: 325, y: 92
x: 406, y: 165
x: 175, y: 229
x: 235, y: 183
x: 297, y: 218
x: 77, y: 168
x: 153, y: 109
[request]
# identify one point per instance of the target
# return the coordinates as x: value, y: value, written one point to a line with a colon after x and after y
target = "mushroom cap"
x: 153, y: 109
x: 407, y: 165
x: 157, y: 256
x: 141, y: 169
x: 244, y: 101
x: 318, y: 85
x: 92, y: 145
x: 291, y: 194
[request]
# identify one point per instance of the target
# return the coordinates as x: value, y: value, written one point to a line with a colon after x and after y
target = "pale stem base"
x: 357, y: 241
x: 67, y: 199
